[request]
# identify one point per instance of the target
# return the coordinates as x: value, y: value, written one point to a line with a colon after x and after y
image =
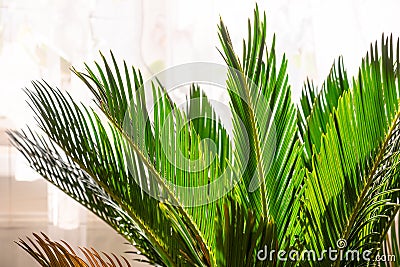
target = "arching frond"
x: 50, y: 253
x: 316, y: 108
x: 263, y: 113
x: 352, y: 191
x: 104, y: 153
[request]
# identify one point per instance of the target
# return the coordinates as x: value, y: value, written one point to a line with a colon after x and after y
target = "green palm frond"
x: 236, y: 223
x: 62, y: 172
x: 159, y: 138
x: 76, y: 131
x: 353, y: 188
x: 316, y: 108
x: 207, y: 125
x: 255, y: 86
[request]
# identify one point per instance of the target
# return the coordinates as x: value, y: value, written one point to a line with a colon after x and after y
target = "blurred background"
x: 43, y: 39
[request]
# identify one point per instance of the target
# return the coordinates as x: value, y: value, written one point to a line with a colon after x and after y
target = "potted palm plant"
x: 309, y: 185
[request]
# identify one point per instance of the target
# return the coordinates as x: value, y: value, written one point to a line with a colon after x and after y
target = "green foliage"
x: 308, y: 176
